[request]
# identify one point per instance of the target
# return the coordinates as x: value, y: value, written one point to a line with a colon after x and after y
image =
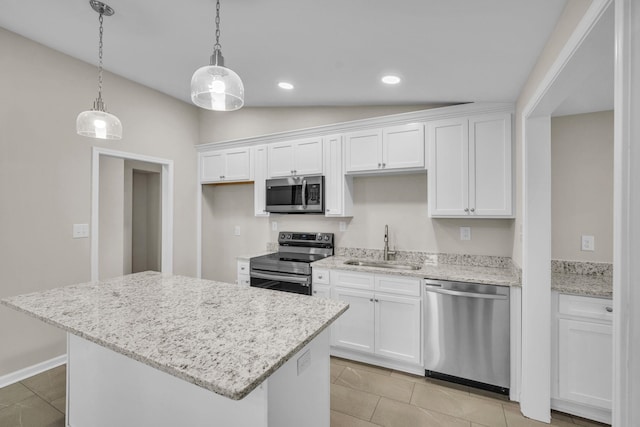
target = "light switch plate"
x: 236, y: 230
x: 343, y: 226
x: 465, y: 233
x: 274, y: 226
x: 588, y: 243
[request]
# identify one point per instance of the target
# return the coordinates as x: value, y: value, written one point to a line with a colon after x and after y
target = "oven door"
x: 281, y: 282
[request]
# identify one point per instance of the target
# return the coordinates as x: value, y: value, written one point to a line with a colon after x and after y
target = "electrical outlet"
x: 80, y: 231
x: 343, y: 226
x: 304, y: 361
x: 588, y: 243
x: 465, y: 233
x: 274, y: 226
x: 236, y: 230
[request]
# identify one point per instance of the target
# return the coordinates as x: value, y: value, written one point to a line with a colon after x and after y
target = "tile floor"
x: 361, y: 396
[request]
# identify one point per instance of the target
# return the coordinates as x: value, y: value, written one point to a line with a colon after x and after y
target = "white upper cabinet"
x: 394, y: 148
x: 470, y: 171
x: 293, y: 158
x: 259, y: 181
x: 230, y: 165
x: 338, y: 200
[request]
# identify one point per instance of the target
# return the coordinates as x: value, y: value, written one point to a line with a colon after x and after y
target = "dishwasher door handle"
x: 439, y: 290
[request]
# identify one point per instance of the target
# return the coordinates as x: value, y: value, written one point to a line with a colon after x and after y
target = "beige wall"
x: 397, y: 200
x: 45, y: 178
x: 571, y: 16
x: 112, y: 219
x: 582, y: 185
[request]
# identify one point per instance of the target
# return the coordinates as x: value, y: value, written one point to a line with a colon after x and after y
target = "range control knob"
x: 319, y: 237
x: 282, y: 236
x: 288, y: 236
x: 326, y: 237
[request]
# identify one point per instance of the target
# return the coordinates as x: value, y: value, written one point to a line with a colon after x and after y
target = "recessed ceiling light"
x: 285, y: 85
x: 391, y: 80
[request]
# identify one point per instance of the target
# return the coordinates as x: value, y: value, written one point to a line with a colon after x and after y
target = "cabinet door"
x: 237, y: 165
x: 403, y: 147
x: 397, y: 330
x: 363, y: 151
x: 259, y: 181
x: 448, y: 168
x: 354, y: 329
x: 308, y: 157
x: 490, y: 174
x: 584, y: 362
x: 337, y: 187
x: 281, y: 159
x: 212, y: 167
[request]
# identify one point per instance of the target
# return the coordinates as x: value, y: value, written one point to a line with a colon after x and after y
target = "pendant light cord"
x: 217, y: 45
x: 99, y: 101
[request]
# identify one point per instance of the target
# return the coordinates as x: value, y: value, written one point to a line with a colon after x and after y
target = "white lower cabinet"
x: 582, y: 356
x: 380, y: 327
x: 243, y: 273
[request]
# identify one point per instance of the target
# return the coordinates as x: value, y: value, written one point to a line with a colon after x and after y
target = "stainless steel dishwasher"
x: 466, y: 333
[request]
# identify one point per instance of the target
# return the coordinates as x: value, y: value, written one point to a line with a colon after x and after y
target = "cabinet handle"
x: 376, y: 300
x: 295, y: 171
x: 466, y: 209
x: 319, y: 276
x: 371, y: 299
x: 473, y: 209
x: 384, y: 165
x: 609, y: 309
x: 315, y: 292
x: 379, y: 165
x: 241, y: 268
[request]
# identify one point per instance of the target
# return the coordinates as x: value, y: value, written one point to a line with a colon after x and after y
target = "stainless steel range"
x: 289, y: 269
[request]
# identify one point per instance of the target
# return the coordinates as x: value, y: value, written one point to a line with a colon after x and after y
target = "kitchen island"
x: 163, y: 350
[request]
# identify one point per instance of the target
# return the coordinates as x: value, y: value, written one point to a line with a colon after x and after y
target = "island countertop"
x: 222, y: 337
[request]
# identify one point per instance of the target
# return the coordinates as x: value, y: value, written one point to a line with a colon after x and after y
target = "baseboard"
x: 584, y: 411
x: 30, y: 371
x: 378, y: 361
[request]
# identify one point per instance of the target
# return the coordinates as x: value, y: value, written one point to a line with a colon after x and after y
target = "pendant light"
x: 216, y: 87
x: 97, y: 122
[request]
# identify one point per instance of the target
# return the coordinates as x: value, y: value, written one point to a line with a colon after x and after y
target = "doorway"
x: 131, y: 214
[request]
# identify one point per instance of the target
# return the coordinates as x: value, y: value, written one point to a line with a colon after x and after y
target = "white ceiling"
x: 333, y: 51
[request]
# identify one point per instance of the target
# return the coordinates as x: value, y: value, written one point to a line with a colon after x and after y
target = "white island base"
x: 106, y: 389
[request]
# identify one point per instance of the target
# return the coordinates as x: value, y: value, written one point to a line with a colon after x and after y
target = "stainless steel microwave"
x: 296, y: 194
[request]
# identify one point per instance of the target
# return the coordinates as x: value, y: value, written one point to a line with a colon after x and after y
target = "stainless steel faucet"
x: 387, y: 253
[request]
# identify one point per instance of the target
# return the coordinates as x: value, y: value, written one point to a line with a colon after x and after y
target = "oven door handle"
x: 304, y: 193
x: 302, y: 280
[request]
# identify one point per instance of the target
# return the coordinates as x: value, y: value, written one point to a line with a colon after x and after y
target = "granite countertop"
x: 225, y: 338
x: 582, y: 284
x: 461, y: 273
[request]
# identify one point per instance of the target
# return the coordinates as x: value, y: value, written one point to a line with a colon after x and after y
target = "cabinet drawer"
x: 244, y: 280
x: 588, y: 307
x: 352, y: 279
x: 397, y: 285
x: 243, y: 267
x: 320, y: 276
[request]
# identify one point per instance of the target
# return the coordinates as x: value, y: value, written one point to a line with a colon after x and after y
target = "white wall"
x: 45, y: 178
x: 571, y: 16
x: 582, y: 185
x: 399, y: 201
x: 112, y: 231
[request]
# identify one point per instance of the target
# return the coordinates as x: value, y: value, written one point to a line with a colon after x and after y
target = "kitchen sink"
x: 382, y: 264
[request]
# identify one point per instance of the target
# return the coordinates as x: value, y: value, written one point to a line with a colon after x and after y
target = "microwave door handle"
x: 304, y: 193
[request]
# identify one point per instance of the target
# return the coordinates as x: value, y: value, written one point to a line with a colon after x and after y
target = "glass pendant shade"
x: 217, y: 88
x: 98, y: 124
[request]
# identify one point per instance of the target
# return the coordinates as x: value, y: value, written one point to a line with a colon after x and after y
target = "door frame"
x: 166, y: 265
x: 535, y: 343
